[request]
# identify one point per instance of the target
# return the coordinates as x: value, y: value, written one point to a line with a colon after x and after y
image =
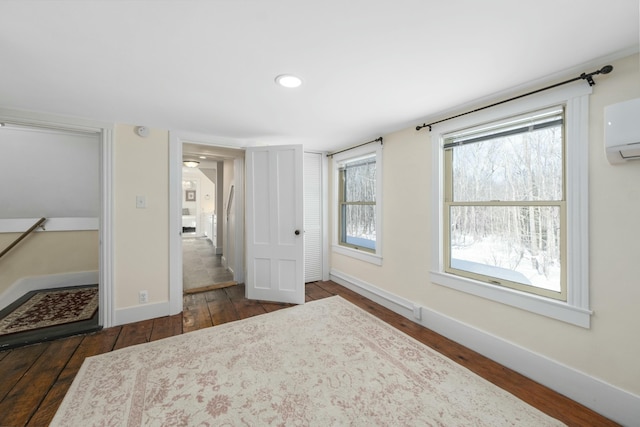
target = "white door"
x: 274, y: 224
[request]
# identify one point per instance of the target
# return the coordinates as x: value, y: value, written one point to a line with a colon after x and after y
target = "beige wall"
x: 140, y: 236
x: 609, y: 349
x: 46, y: 253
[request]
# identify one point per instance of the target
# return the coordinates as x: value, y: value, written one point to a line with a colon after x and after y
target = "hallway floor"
x: 200, y: 265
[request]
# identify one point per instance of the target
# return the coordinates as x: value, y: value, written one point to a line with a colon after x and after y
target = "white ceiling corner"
x: 368, y: 67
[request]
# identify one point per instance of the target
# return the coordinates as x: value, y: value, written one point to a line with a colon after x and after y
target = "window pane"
x: 360, y: 181
x: 522, y: 167
x: 359, y: 225
x: 515, y: 243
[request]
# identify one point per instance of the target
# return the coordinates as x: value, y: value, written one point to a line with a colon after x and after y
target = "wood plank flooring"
x: 34, y: 379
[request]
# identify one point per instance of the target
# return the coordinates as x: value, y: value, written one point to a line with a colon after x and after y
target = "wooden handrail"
x: 23, y: 235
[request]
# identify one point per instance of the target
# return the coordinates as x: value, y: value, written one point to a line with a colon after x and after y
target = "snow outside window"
x: 357, y: 190
x: 504, y: 203
x: 510, y: 204
x: 357, y: 212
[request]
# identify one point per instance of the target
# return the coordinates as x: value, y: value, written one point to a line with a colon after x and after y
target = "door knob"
x: 297, y: 232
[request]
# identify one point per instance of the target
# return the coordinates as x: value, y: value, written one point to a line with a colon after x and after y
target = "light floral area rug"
x: 325, y: 363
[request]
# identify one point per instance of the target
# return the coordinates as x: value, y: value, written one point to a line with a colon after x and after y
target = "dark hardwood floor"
x: 35, y: 378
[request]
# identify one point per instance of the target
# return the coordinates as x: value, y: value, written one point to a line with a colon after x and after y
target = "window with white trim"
x: 504, y: 208
x: 357, y: 193
x: 357, y: 200
x: 510, y: 205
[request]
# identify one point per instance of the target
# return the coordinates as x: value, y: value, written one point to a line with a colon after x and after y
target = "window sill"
x: 361, y: 255
x: 536, y: 304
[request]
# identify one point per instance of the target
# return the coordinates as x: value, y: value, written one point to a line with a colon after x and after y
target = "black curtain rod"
x: 584, y: 76
x: 378, y: 139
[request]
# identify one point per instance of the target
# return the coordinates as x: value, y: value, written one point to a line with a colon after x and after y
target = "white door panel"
x: 275, y: 251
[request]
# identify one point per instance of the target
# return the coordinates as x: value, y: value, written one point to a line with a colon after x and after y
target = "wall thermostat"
x: 143, y: 131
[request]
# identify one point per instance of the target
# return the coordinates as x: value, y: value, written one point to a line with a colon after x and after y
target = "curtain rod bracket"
x: 589, y: 77
x: 584, y: 76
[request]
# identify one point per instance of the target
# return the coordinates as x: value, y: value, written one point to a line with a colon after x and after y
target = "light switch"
x: 141, y: 202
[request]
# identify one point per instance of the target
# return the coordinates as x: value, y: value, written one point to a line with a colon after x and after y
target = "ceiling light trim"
x: 288, y: 80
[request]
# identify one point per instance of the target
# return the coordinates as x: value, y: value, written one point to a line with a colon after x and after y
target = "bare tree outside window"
x: 506, y: 203
x: 358, y: 203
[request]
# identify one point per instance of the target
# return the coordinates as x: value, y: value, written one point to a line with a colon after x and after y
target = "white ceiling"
x: 369, y: 66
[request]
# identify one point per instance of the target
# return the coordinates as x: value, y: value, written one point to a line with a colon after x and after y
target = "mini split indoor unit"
x: 622, y: 131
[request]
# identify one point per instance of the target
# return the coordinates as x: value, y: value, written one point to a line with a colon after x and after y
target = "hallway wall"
x: 141, y: 243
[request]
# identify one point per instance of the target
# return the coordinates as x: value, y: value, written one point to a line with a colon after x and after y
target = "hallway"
x: 201, y: 267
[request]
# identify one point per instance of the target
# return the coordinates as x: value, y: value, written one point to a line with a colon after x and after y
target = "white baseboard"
x: 141, y: 312
x: 612, y: 402
x: 393, y: 302
x: 28, y: 284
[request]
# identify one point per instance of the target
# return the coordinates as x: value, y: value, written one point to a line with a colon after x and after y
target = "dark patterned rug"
x: 51, y: 307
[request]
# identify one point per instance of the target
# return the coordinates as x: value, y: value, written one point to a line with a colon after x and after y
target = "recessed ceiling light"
x: 287, y: 80
x: 202, y: 157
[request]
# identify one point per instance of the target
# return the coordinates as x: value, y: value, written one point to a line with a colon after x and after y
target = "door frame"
x: 176, y: 139
x: 106, y: 306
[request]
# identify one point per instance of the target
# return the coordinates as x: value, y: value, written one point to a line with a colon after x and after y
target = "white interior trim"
x: 239, y: 268
x: 392, y: 301
x: 106, y: 289
x: 373, y: 258
x: 175, y: 224
x: 176, y: 139
x: 20, y: 225
x: 576, y: 309
x: 548, y: 307
x: 325, y: 217
x: 137, y: 313
x: 612, y: 402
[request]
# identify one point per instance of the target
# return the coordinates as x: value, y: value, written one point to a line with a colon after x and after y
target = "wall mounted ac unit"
x: 622, y: 131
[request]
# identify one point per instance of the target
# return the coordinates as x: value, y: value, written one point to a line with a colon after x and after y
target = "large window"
x: 504, y: 203
x: 358, y: 203
x: 510, y: 204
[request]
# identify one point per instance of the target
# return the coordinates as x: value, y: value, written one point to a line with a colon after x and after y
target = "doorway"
x: 65, y: 159
x: 209, y: 217
x: 233, y: 205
